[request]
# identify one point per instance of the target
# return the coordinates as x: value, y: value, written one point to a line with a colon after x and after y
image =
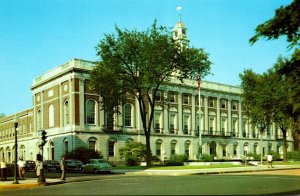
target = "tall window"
x: 185, y: 99
x: 157, y: 122
x: 39, y: 120
x: 92, y: 143
x: 223, y: 104
x: 66, y: 113
x: 186, y: 123
x: 158, y: 147
x: 90, y: 112
x: 128, y: 115
x: 111, y: 148
x: 172, y: 123
x: 66, y: 146
x: 173, y: 147
x: 211, y: 102
x: 172, y: 97
x: 51, y: 116
x: 234, y: 105
x: 109, y: 120
x: 187, y: 148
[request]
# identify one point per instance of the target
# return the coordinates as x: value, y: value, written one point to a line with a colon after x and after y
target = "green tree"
x: 286, y: 22
x: 137, y: 64
x: 256, y: 100
x: 2, y: 115
x: 133, y: 152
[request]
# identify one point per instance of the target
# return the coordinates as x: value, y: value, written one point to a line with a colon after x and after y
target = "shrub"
x: 83, y: 154
x: 294, y: 156
x: 133, y: 152
x: 177, y: 160
x: 207, y: 158
x: 276, y: 156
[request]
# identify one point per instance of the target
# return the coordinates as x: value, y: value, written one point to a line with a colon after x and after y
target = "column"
x: 240, y: 119
x: 166, y: 116
x: 81, y: 104
x: 71, y: 103
x: 180, y: 113
x: 206, y: 120
x: 61, y: 106
x: 218, y: 116
x: 193, y: 127
x: 229, y: 118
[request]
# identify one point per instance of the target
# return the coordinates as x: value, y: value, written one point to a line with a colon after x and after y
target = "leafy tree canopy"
x: 285, y: 22
x: 2, y: 115
x: 137, y: 63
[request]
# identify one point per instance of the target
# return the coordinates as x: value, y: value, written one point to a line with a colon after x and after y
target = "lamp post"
x: 16, y: 123
x: 199, y: 102
x: 261, y: 127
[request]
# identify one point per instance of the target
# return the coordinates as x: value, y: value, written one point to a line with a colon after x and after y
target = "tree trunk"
x: 148, y: 147
x: 284, y: 149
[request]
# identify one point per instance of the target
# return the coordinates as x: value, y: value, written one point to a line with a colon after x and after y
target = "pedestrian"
x: 38, y: 165
x: 270, y: 160
x: 3, y: 170
x: 21, y: 165
x: 63, y: 168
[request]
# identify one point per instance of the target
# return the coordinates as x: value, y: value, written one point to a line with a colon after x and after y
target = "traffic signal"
x: 44, y: 137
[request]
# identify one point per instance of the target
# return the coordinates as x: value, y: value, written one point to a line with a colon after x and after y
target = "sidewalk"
x: 28, y: 183
x: 32, y: 182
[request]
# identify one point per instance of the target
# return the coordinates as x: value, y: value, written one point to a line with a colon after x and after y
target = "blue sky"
x: 36, y: 36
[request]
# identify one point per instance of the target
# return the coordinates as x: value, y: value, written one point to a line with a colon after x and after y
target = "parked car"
x: 29, y: 165
x: 96, y: 166
x: 73, y: 165
x: 51, y: 166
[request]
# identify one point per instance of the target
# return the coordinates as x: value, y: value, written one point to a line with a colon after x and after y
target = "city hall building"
x: 67, y: 108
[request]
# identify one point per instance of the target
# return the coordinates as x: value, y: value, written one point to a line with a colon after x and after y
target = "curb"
x: 29, y: 185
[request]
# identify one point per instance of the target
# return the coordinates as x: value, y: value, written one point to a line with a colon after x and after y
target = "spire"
x: 179, y: 8
x: 180, y: 29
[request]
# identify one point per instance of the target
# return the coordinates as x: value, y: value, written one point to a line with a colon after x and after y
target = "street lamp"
x: 16, y: 123
x: 261, y: 127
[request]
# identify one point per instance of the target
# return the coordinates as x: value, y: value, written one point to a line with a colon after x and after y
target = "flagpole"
x: 199, y: 102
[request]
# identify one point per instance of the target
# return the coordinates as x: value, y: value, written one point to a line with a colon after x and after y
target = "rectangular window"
x: 211, y: 102
x: 158, y: 96
x: 157, y: 122
x: 223, y: 104
x: 172, y: 123
x: 234, y: 105
x: 172, y: 97
x: 186, y: 123
x: 185, y: 99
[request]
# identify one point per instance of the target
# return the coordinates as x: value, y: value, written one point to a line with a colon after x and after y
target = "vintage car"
x: 51, y: 166
x: 96, y: 166
x: 73, y: 165
x: 29, y: 165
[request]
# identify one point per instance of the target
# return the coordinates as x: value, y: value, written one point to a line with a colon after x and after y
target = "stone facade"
x: 66, y: 107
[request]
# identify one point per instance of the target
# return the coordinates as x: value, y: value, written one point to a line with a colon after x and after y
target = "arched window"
x: 51, y: 116
x: 92, y: 143
x: 90, y: 112
x: 39, y: 120
x: 66, y: 112
x: 173, y: 147
x: 212, y: 148
x: 187, y: 148
x: 22, y: 152
x: 128, y: 115
x: 66, y: 146
x: 111, y: 147
x: 246, y: 148
x: 158, y: 148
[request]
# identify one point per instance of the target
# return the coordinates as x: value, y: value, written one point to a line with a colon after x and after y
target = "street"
x: 235, y: 184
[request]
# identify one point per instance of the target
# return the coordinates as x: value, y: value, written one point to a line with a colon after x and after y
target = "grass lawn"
x: 221, y: 165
